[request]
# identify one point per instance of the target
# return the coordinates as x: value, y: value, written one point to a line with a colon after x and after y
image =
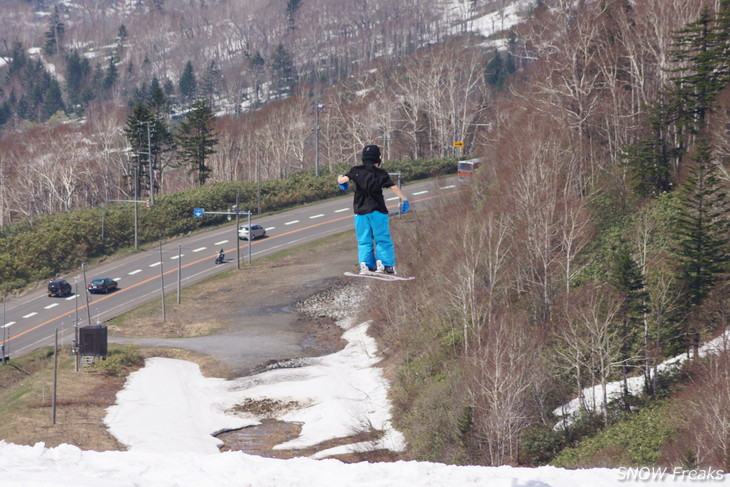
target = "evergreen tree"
x: 722, y: 38
x: 196, y: 140
x: 78, y: 72
x: 282, y: 67
x: 701, y: 230
x: 162, y: 139
x: 499, y: 68
x: 187, y: 84
x: 122, y: 35
x: 139, y: 136
x: 18, y: 60
x: 111, y: 74
x: 702, y: 68
x: 6, y: 112
x: 651, y: 159
x: 168, y: 87
x: 52, y: 100
x: 212, y: 82
x: 256, y: 62
x: 627, y: 279
x: 291, y: 9
x: 23, y: 108
x: 55, y: 32
x: 257, y: 65
x: 156, y: 96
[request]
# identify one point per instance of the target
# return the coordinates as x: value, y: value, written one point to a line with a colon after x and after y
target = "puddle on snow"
x: 259, y: 439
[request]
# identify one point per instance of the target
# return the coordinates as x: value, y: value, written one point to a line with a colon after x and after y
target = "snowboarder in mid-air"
x: 374, y: 244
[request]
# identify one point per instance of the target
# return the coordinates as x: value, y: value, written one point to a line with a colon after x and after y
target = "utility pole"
x: 151, y: 171
x: 317, y: 109
x: 2, y: 197
x: 55, y: 379
x: 136, y: 217
x: 5, y: 326
x: 238, y: 240
x: 162, y: 284
x: 258, y: 184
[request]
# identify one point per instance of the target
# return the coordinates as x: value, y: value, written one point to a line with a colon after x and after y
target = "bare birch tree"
x: 591, y: 341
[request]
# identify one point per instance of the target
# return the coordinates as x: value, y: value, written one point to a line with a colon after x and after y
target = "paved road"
x: 30, y: 320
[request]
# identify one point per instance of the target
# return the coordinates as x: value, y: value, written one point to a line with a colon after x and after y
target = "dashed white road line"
x: 135, y: 272
x: 30, y: 315
x: 341, y: 210
x: 419, y: 192
x: 177, y: 256
x: 393, y: 198
x: 448, y: 187
x: 220, y: 243
x: 291, y: 222
x: 316, y: 216
x: 7, y: 324
x: 51, y: 306
x: 155, y: 264
x: 199, y: 249
x: 269, y: 228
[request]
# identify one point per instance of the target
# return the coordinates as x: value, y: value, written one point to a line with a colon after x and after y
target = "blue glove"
x: 405, y: 206
x: 344, y: 186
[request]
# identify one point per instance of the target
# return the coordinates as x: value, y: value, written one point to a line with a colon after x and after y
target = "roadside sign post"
x: 200, y: 212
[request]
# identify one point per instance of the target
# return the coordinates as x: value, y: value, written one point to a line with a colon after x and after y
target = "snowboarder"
x: 374, y: 245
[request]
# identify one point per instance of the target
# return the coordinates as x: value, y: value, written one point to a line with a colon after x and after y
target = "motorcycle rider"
x: 221, y: 257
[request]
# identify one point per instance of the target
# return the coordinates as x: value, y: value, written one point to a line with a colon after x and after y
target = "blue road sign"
x: 198, y: 212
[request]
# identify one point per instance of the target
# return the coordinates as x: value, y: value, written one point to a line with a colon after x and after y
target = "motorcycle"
x: 220, y: 259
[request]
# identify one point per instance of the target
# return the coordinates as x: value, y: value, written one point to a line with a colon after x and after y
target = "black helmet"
x: 371, y: 154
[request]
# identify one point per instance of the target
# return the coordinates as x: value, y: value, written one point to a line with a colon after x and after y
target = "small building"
x: 92, y: 343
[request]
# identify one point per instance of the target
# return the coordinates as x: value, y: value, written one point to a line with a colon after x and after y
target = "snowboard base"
x: 381, y: 277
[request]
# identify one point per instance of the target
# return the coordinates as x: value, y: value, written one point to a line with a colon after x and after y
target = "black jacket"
x: 369, y: 183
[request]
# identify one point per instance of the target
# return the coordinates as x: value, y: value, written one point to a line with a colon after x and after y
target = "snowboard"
x: 380, y: 276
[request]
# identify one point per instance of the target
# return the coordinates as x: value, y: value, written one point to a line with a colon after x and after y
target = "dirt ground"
x: 270, y: 288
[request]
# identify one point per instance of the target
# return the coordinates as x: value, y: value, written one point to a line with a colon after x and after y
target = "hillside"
x: 591, y: 245
x: 98, y: 115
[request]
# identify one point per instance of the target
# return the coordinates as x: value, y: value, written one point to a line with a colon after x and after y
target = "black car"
x: 102, y: 285
x: 59, y: 287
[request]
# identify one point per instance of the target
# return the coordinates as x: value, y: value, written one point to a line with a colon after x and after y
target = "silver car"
x: 256, y: 231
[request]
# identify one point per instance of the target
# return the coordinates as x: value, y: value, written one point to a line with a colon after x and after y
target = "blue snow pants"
x: 373, y: 239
